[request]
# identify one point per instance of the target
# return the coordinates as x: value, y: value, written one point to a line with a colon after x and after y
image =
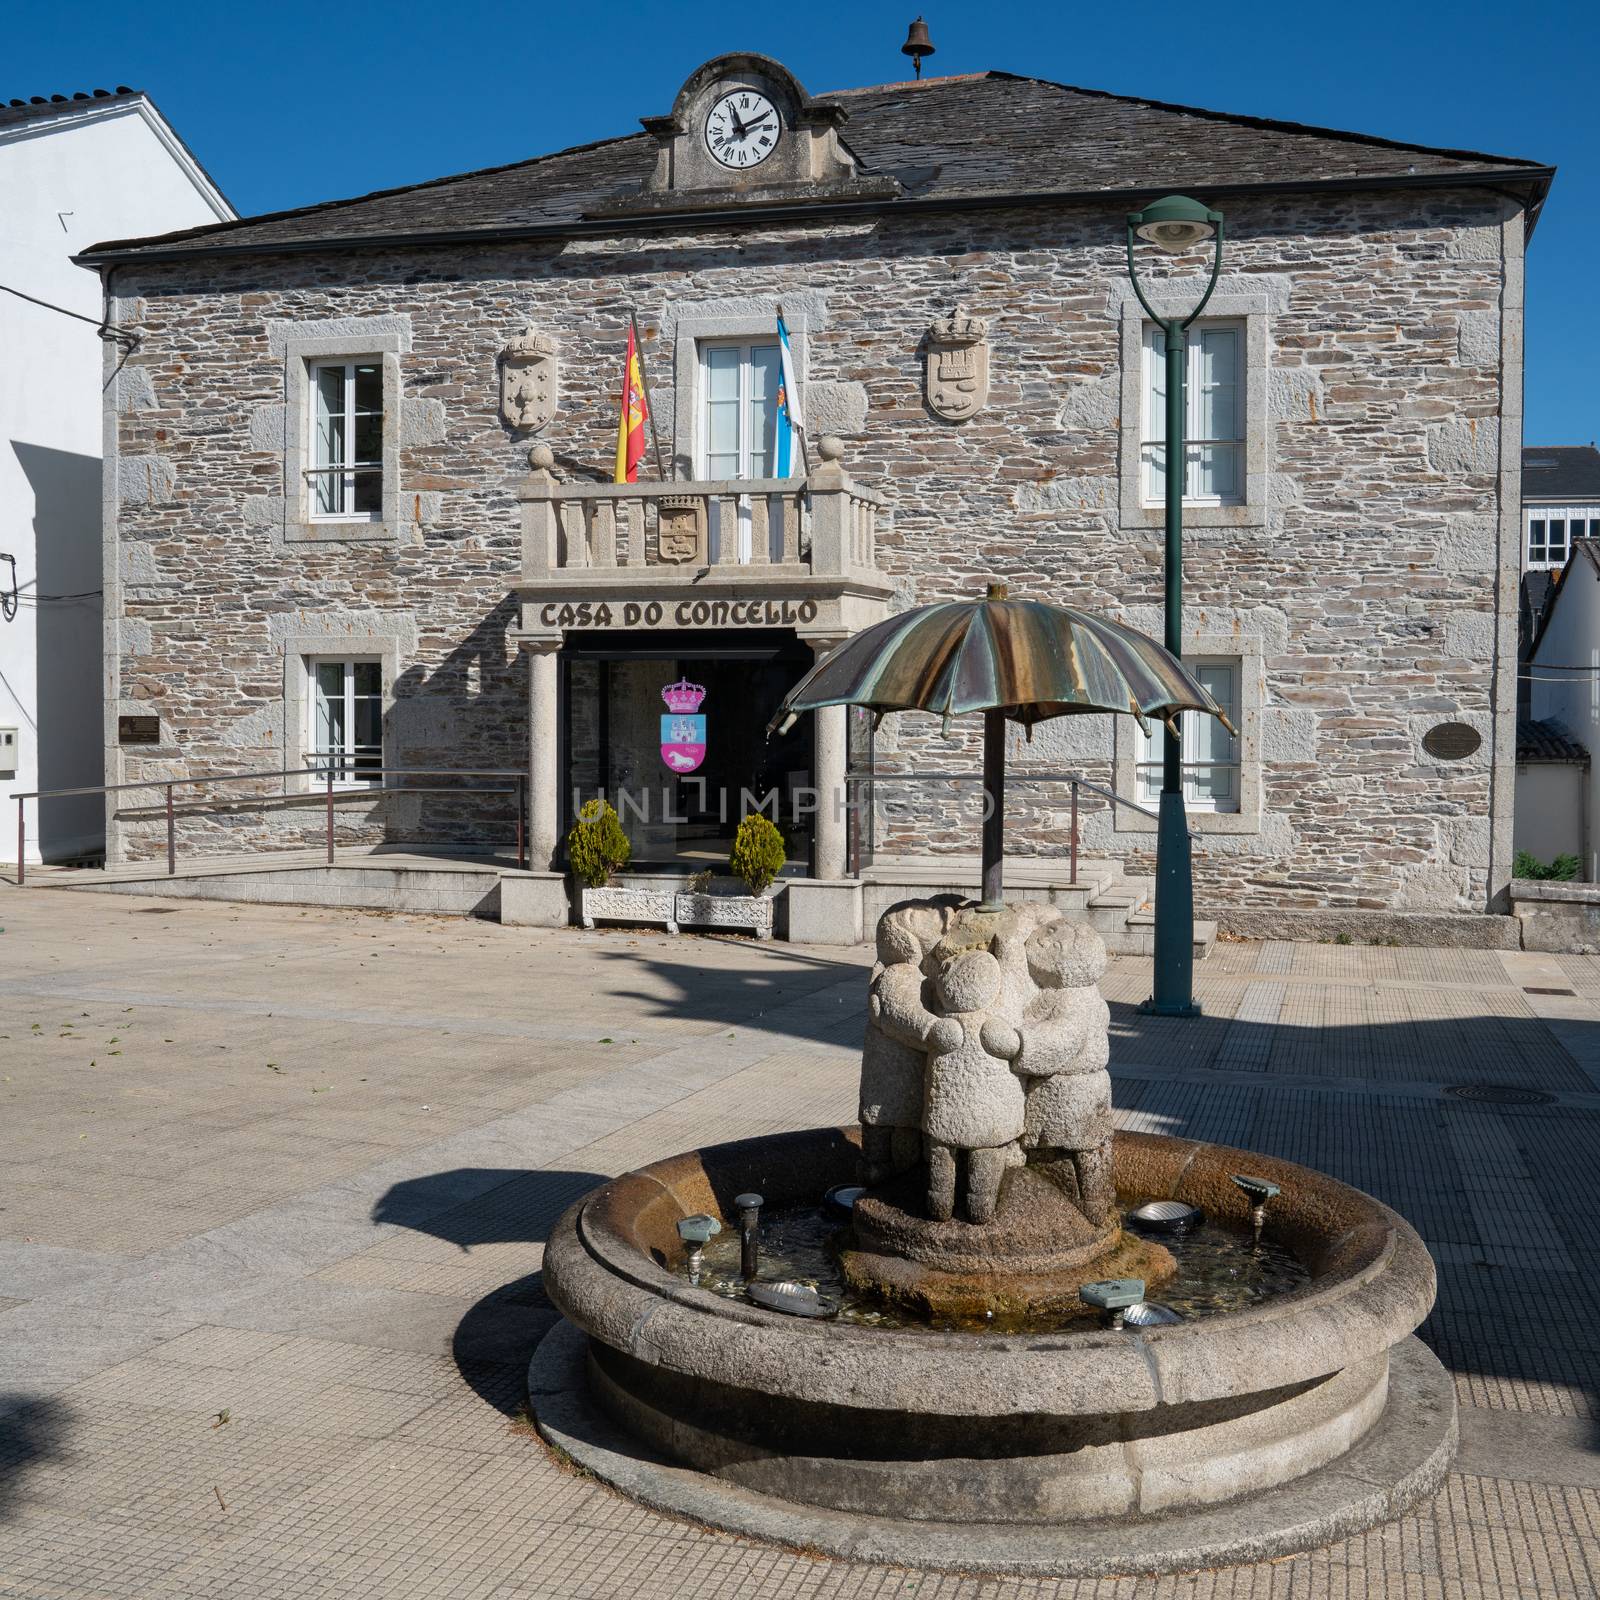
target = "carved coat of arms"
x: 956, y: 366
x: 680, y: 527
x: 530, y: 380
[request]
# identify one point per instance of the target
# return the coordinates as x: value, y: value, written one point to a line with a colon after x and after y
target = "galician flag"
x: 633, y: 417
x: 791, y: 425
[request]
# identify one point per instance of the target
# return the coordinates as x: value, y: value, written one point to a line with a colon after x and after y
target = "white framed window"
x: 738, y: 409
x: 344, y: 481
x: 1211, y: 763
x: 1214, y: 424
x: 1550, y: 530
x: 345, y: 709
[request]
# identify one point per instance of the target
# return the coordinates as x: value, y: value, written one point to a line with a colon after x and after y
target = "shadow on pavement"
x: 32, y: 1431
x: 472, y: 1206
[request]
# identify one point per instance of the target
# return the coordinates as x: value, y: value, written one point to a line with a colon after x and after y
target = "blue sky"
x: 294, y: 102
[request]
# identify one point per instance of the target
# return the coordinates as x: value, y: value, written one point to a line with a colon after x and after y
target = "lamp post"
x: 1174, y: 224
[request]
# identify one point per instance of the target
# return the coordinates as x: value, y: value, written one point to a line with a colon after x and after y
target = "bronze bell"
x: 917, y: 44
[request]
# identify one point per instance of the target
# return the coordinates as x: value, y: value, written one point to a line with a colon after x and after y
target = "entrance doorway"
x: 616, y: 690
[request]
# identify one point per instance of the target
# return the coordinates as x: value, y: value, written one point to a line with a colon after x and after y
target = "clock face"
x: 743, y: 129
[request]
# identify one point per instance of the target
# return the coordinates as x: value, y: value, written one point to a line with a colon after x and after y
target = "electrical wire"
x: 128, y: 339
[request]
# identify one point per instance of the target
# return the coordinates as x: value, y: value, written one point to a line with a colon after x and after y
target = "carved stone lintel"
x: 956, y: 366
x: 530, y: 380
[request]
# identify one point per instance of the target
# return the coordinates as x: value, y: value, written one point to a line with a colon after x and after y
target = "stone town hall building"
x: 359, y: 507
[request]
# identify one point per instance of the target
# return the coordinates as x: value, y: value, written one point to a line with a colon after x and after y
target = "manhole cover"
x: 1500, y: 1094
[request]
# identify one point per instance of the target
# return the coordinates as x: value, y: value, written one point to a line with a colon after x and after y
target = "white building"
x: 72, y: 171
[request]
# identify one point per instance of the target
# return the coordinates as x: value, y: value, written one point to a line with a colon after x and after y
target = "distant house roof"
x: 1561, y: 472
x: 1547, y: 741
x: 953, y: 142
x: 40, y: 114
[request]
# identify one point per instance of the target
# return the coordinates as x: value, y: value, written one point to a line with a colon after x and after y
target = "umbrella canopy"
x: 1027, y: 659
x: 1019, y: 660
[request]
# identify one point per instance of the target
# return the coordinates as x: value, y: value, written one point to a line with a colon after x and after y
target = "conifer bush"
x: 758, y: 853
x: 597, y: 845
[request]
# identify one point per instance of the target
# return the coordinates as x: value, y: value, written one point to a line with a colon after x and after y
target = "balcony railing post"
x: 541, y: 553
x: 1074, y: 831
x: 22, y: 841
x: 330, y: 812
x: 172, y: 838
x: 829, y: 489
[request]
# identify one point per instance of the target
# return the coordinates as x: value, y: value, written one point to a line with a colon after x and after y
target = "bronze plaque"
x: 138, y: 730
x: 1451, y: 741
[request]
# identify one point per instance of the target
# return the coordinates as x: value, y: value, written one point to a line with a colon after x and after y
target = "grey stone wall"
x: 1368, y: 578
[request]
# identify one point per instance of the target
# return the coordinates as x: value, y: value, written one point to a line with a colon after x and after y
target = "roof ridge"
x: 1243, y: 119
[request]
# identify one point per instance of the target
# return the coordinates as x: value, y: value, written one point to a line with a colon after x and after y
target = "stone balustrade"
x: 821, y: 525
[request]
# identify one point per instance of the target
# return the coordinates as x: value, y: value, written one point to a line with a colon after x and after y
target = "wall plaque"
x: 956, y: 366
x: 530, y: 380
x: 138, y: 730
x: 1452, y: 741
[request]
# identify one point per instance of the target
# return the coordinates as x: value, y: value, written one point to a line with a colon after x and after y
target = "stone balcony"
x: 764, y: 552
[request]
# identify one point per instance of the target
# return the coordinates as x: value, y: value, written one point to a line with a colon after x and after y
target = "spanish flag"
x: 633, y: 416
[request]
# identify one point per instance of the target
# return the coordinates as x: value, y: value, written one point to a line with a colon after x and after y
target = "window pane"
x: 1215, y: 786
x: 328, y: 440
x: 1213, y: 370
x: 1214, y: 472
x: 1155, y: 388
x: 330, y: 723
x: 763, y: 382
x: 369, y: 388
x: 369, y: 440
x: 1558, y: 538
x: 367, y: 677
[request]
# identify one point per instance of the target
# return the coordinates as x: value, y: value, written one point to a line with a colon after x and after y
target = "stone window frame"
x: 301, y: 352
x: 1249, y: 654
x: 1253, y: 311
x: 758, y: 325
x: 299, y: 649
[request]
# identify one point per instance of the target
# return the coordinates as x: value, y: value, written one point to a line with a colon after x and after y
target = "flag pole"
x: 649, y: 400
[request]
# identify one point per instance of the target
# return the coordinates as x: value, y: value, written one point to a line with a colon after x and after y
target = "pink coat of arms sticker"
x: 683, y: 729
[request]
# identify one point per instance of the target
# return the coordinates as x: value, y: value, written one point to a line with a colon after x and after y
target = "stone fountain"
x: 998, y: 1424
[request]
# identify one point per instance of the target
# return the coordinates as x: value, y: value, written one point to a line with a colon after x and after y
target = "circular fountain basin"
x: 1228, y: 1437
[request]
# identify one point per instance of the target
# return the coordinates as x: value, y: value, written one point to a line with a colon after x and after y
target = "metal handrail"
x: 873, y: 776
x: 326, y: 771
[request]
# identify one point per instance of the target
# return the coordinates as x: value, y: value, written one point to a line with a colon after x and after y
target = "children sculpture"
x: 988, y: 1037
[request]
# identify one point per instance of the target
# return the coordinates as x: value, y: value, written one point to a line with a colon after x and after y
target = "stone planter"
x: 752, y: 911
x: 629, y: 905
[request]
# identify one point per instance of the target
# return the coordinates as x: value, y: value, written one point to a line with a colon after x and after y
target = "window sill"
x: 353, y: 531
x: 1201, y: 822
x: 1198, y: 516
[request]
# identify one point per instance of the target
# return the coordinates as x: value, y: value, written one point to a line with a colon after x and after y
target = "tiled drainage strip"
x: 1500, y: 1094
x: 1533, y: 988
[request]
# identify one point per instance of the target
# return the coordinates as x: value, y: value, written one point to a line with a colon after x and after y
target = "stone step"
x: 1139, y: 939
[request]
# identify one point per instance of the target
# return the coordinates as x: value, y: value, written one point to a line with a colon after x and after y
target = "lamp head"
x: 1175, y: 224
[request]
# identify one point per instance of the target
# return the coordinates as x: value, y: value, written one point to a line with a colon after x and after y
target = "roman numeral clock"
x: 743, y: 131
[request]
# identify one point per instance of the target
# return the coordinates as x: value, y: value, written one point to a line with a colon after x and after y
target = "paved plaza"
x: 276, y: 1183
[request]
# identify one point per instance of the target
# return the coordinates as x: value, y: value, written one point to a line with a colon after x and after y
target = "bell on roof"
x: 917, y: 44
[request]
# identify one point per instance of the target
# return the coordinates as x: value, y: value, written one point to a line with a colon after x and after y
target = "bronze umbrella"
x: 1014, y: 660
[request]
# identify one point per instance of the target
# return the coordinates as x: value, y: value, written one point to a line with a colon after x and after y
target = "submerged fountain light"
x: 695, y: 1231
x: 1151, y: 1314
x: 1166, y: 1216
x: 843, y: 1197
x: 797, y: 1299
x: 1260, y: 1190
x: 1112, y: 1297
x: 749, y: 1234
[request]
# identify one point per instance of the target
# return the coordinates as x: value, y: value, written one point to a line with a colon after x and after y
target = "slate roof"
x: 1547, y: 741
x: 18, y: 110
x: 977, y: 139
x: 1561, y: 472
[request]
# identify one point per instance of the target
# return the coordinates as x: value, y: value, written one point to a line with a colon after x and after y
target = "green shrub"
x: 597, y: 846
x: 1563, y: 868
x: 758, y: 853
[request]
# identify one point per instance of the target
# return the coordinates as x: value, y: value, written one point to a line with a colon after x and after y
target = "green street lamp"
x: 1174, y: 224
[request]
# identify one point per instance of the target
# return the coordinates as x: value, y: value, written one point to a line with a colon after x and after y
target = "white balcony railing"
x: 820, y: 525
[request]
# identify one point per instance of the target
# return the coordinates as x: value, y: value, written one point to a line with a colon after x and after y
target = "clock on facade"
x: 742, y: 129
